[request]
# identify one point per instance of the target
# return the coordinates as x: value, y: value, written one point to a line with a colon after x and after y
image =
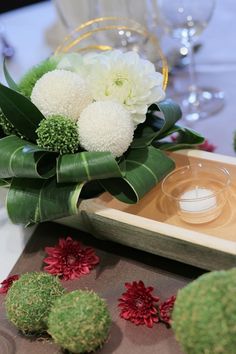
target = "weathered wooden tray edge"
x: 155, y: 237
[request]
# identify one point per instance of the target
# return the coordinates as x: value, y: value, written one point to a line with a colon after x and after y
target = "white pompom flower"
x: 61, y: 92
x: 105, y: 126
x: 127, y: 79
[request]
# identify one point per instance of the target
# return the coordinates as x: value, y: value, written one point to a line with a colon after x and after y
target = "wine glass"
x: 185, y: 20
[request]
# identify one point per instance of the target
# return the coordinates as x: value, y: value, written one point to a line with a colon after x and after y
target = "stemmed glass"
x: 185, y: 20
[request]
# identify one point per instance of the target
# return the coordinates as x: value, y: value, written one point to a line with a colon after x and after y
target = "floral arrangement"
x: 75, y: 126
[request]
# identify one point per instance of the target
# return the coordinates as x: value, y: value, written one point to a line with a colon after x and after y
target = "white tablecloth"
x: 216, y: 63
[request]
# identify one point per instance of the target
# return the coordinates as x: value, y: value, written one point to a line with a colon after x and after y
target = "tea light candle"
x: 197, y: 200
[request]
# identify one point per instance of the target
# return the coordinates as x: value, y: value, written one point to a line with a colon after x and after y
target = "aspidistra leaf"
x: 20, y: 111
x: 144, y: 169
x: 8, y: 77
x: 160, y: 119
x: 187, y: 138
x: 87, y: 166
x: 18, y: 160
x: 35, y: 200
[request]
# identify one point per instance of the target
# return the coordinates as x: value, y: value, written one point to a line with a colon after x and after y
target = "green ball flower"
x: 79, y: 321
x: 28, y: 81
x: 204, y: 316
x: 58, y: 133
x: 29, y: 300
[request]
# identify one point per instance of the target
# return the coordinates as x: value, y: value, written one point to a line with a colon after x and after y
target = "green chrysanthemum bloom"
x: 58, y: 133
x: 79, y: 321
x: 7, y: 127
x: 204, y: 316
x: 29, y: 300
x: 28, y: 81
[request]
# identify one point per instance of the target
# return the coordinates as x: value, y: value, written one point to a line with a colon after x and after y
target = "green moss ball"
x: 29, y: 300
x: 204, y: 316
x: 58, y: 133
x: 28, y: 81
x: 79, y: 321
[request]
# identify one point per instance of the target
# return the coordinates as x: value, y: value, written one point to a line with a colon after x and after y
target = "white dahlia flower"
x: 127, y: 79
x: 105, y: 126
x: 61, y: 92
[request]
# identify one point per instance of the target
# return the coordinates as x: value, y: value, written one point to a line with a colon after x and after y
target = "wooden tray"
x: 147, y: 227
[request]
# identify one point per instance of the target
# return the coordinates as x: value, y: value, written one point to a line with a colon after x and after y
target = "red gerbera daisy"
x: 137, y: 304
x: 69, y: 259
x: 165, y: 310
x: 7, y: 283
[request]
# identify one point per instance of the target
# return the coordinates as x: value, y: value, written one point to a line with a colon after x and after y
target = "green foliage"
x: 79, y: 321
x: 235, y: 141
x: 204, y: 316
x: 20, y: 111
x: 59, y: 134
x: 7, y: 127
x: 29, y: 300
x: 28, y: 81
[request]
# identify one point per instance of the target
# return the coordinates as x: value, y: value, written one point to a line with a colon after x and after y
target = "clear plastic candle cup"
x: 197, y: 192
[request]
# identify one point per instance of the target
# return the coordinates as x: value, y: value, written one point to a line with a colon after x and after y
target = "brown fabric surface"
x: 118, y: 265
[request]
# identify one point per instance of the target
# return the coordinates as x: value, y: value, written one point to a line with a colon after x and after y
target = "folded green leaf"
x: 20, y: 158
x: 87, y: 166
x: 20, y: 111
x: 5, y: 182
x: 8, y: 77
x: 187, y: 138
x: 144, y: 169
x: 160, y: 119
x: 34, y: 200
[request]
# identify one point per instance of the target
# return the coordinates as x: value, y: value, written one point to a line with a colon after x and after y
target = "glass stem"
x: 192, y: 72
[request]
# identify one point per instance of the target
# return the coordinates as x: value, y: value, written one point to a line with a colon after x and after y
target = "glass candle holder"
x: 197, y: 192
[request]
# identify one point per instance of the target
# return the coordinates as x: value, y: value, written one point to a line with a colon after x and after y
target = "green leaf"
x: 8, y: 77
x: 5, y: 182
x: 160, y: 119
x: 187, y: 138
x: 32, y: 201
x: 87, y: 166
x: 20, y: 158
x: 20, y: 111
x: 144, y: 169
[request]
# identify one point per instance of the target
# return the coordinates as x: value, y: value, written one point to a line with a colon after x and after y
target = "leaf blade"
x: 144, y: 169
x: 20, y: 111
x: 20, y: 158
x: 86, y: 166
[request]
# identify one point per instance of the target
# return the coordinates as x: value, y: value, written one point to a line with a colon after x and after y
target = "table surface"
x: 28, y: 28
x: 118, y: 264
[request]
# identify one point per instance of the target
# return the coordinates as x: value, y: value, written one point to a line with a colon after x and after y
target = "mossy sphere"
x: 29, y: 300
x: 204, y: 316
x: 79, y: 321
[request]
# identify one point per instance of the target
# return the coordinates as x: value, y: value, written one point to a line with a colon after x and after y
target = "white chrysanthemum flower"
x: 105, y: 126
x: 127, y: 79
x: 61, y: 92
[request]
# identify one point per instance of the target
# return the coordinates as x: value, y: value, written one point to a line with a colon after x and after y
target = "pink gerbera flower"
x: 138, y: 304
x: 69, y: 259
